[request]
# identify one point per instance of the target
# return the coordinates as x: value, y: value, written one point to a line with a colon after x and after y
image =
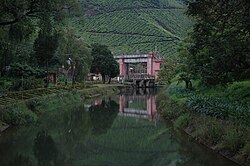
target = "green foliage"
x: 179, y: 89
x: 20, y: 160
x: 112, y: 5
x: 114, y: 69
x: 103, y: 61
x: 169, y: 108
x: 219, y: 108
x: 46, y: 43
x: 24, y: 70
x: 105, y: 113
x: 232, y: 140
x: 219, y: 51
x: 28, y: 9
x: 228, y: 102
x: 167, y: 72
x: 245, y: 75
x: 45, y: 149
x: 239, y: 91
x: 226, y: 128
x: 209, y: 130
x: 5, y: 85
x: 128, y: 26
x: 26, y: 84
x: 182, y: 121
x: 74, y: 47
x: 56, y: 102
x: 245, y: 151
x: 20, y: 22
x: 208, y: 106
x: 18, y: 114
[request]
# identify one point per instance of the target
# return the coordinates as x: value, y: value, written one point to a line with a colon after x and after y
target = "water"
x: 116, y: 131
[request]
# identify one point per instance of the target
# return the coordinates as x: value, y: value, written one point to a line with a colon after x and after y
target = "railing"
x: 139, y: 76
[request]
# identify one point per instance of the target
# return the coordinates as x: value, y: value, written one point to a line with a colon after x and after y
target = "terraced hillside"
x: 130, y: 25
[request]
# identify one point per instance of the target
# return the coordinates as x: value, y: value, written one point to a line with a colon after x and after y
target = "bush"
x: 232, y: 140
x: 209, y: 106
x: 32, y: 104
x: 239, y: 91
x: 182, y: 121
x: 5, y: 85
x: 245, y: 151
x: 245, y: 75
x: 26, y: 84
x: 18, y: 114
x: 169, y: 108
x: 219, y: 108
x: 24, y: 70
x: 209, y: 129
x: 179, y: 90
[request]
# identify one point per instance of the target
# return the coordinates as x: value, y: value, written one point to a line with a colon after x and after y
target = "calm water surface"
x: 116, y: 131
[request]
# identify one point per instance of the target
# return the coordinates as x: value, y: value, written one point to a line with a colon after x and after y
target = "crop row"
x: 144, y: 30
x: 125, y: 4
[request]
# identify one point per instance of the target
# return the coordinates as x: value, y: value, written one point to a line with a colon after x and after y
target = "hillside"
x: 128, y: 25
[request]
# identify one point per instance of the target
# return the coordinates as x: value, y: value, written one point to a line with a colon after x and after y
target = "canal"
x: 120, y: 130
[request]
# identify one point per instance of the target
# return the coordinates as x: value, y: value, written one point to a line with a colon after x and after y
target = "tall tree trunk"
x: 109, y: 80
x: 103, y: 78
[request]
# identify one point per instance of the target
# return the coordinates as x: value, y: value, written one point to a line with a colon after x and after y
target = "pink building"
x: 150, y: 64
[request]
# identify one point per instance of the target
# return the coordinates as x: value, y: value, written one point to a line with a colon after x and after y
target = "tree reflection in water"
x: 45, y: 149
x: 103, y: 115
x: 20, y: 160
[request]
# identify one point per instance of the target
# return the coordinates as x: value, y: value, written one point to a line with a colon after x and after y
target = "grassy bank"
x: 28, y: 111
x: 217, y: 117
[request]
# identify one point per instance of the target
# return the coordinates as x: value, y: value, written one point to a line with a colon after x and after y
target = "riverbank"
x: 213, y: 120
x: 27, y: 112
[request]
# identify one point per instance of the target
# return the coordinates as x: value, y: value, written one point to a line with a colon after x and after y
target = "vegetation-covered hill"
x: 127, y: 26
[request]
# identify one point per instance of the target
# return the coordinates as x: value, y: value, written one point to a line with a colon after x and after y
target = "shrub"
x: 32, y: 104
x: 209, y: 106
x: 18, y: 114
x: 245, y: 151
x: 182, y: 121
x: 239, y: 91
x: 19, y: 70
x: 232, y: 140
x: 168, y: 108
x: 28, y: 83
x: 5, y: 85
x: 219, y: 108
x: 209, y: 129
x: 179, y: 90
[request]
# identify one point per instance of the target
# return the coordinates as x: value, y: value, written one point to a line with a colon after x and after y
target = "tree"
x: 13, y: 11
x: 114, y: 70
x: 102, y: 116
x: 168, y: 71
x: 45, y: 149
x: 46, y: 44
x: 221, y: 44
x: 72, y: 46
x: 103, y: 62
x: 19, y: 20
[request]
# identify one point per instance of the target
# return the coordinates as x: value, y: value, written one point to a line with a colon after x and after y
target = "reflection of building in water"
x: 138, y: 106
x: 98, y: 102
x: 95, y: 103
